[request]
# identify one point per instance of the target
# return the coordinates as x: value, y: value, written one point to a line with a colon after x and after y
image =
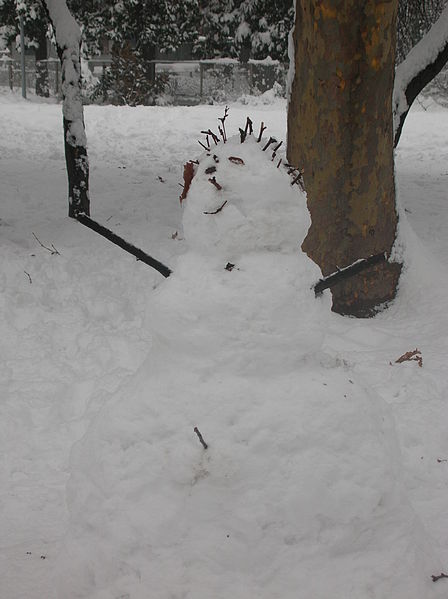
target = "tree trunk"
x: 68, y: 41
x: 340, y: 132
x: 42, y: 86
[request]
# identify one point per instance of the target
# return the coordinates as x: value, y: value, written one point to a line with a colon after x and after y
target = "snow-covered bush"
x: 129, y: 80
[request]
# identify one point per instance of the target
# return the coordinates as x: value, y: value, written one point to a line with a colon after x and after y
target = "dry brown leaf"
x: 411, y: 356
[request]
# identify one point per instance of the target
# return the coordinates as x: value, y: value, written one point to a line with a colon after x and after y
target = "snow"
x: 321, y: 478
x: 422, y: 54
x: 67, y: 31
x: 243, y: 31
x: 68, y: 38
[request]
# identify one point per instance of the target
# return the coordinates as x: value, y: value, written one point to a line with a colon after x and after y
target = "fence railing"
x: 11, y: 75
x: 188, y: 82
x: 198, y: 81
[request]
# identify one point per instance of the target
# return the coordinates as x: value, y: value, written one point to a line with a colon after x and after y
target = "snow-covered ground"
x: 326, y: 473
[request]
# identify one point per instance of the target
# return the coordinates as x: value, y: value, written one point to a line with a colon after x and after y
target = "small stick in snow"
x: 214, y: 182
x: 262, y: 128
x: 53, y: 251
x: 217, y: 210
x: 439, y: 577
x: 212, y: 135
x: 29, y: 276
x: 279, y: 163
x: 298, y: 180
x: 223, y: 131
x: 222, y: 134
x: 210, y: 170
x: 200, y: 437
x: 205, y: 147
x: 271, y: 141
x: 277, y: 146
x: 242, y: 135
x: 249, y: 128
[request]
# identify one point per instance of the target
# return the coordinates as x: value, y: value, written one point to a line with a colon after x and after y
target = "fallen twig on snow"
x: 217, y: 210
x: 53, y: 251
x: 439, y: 577
x: 200, y: 437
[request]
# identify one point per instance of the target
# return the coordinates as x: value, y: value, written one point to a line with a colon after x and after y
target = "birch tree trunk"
x: 340, y: 131
x: 68, y: 40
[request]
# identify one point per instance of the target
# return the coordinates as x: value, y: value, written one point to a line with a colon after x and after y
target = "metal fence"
x: 188, y: 82
x: 11, y: 75
x: 206, y: 81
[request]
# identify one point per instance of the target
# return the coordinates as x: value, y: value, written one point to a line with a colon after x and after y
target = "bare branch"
x: 218, y: 209
x: 260, y: 135
x: 53, y: 251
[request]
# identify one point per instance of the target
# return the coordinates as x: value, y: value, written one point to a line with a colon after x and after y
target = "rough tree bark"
x: 340, y: 132
x: 68, y: 41
x: 421, y: 65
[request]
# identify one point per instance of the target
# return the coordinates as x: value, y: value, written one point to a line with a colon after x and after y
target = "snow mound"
x: 299, y: 494
x: 262, y: 211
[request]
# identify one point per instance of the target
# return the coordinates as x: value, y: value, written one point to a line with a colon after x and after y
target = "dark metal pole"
x: 22, y: 55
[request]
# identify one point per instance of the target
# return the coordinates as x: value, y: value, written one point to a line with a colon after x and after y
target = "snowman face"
x: 241, y: 198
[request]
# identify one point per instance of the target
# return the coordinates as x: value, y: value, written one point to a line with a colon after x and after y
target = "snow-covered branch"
x: 68, y: 40
x: 420, y: 66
